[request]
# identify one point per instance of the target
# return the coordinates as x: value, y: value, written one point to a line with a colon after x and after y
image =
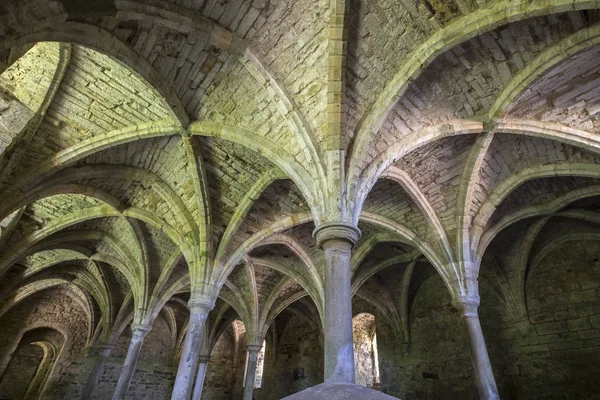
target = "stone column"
x: 138, y: 333
x: 199, y: 385
x: 184, y: 382
x: 337, y: 241
x: 103, y: 352
x: 482, y: 368
x: 253, y: 350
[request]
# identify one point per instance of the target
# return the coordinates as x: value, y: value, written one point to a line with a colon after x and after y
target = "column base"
x: 339, y: 391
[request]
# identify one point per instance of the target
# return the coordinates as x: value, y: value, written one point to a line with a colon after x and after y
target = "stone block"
x: 579, y: 324
x: 548, y: 328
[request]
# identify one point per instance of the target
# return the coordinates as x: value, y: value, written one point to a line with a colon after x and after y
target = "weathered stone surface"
x: 160, y: 156
x: 339, y: 391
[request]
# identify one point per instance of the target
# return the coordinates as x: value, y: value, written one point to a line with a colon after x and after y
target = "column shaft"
x: 199, y: 385
x: 251, y: 371
x: 135, y: 347
x: 184, y: 382
x: 482, y: 367
x: 104, y: 351
x: 339, y: 351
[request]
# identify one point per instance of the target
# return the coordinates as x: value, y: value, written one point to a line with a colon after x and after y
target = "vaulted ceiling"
x: 138, y: 139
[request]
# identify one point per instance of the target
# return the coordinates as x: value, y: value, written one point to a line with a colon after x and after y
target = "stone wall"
x: 55, y: 309
x: 299, y: 347
x: 58, y: 309
x: 554, y: 354
x: 557, y: 350
x: 219, y: 380
x: 20, y: 372
x: 155, y: 371
x: 150, y: 382
x: 436, y: 364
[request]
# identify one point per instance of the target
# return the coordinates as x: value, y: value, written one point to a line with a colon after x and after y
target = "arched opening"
x: 366, y: 358
x: 21, y: 371
x: 31, y: 364
x: 37, y: 383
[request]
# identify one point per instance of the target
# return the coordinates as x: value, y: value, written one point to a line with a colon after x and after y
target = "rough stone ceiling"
x: 137, y: 136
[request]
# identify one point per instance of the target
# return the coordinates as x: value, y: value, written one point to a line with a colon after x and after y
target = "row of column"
x: 138, y: 333
x: 133, y: 353
x: 253, y: 351
x: 337, y: 242
x: 183, y: 388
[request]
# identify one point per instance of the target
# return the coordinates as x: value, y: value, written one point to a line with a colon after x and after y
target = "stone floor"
x: 335, y: 391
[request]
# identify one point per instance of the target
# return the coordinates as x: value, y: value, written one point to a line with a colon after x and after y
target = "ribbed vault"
x: 154, y: 151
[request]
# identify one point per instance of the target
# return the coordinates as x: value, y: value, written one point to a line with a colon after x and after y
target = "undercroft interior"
x: 244, y: 199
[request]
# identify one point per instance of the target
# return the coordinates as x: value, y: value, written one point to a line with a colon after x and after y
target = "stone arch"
x: 105, y: 42
x: 553, y: 207
x: 256, y: 239
x: 35, y: 287
x: 19, y: 378
x: 361, y: 179
x: 50, y: 341
x: 514, y: 181
x: 544, y: 62
x: 300, y: 175
x: 62, y: 349
x: 444, y: 39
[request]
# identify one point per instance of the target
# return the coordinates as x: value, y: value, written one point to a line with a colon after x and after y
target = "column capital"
x: 467, y: 305
x: 336, y: 230
x: 201, y: 303
x: 463, y: 280
x: 139, y: 331
x: 254, y: 348
x: 405, y: 346
x: 106, y: 346
x: 203, y: 359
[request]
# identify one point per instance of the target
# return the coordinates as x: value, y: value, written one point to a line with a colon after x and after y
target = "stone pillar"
x: 253, y: 350
x: 337, y: 241
x: 482, y: 368
x: 199, y: 385
x: 184, y: 382
x: 103, y: 352
x: 138, y: 333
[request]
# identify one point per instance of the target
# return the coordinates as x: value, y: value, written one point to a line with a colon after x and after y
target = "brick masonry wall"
x: 553, y: 355
x: 150, y: 382
x: 155, y: 371
x: 51, y: 308
x: 436, y: 364
x: 20, y: 372
x: 557, y: 351
x: 153, y: 379
x: 219, y: 380
x: 299, y: 347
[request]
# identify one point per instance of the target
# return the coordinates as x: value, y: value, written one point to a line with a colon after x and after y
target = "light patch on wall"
x: 260, y: 365
x: 366, y: 358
